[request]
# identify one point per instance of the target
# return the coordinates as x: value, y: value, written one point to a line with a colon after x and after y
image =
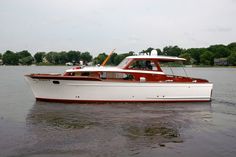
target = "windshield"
x: 173, y: 68
x: 123, y: 63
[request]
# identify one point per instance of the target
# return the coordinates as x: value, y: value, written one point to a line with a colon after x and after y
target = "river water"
x: 40, y: 129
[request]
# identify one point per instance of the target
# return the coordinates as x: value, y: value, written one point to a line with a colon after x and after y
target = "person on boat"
x: 148, y: 65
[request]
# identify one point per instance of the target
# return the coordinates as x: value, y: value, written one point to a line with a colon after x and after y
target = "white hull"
x: 91, y: 91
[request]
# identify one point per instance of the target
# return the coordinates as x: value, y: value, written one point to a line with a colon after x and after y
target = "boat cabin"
x: 134, y: 68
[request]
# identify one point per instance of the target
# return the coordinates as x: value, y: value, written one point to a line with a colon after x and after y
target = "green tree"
x: 219, y: 51
x: 207, y: 58
x: 232, y: 58
x: 23, y: 54
x: 147, y: 51
x: 74, y: 56
x: 118, y: 59
x: 100, y: 58
x: 172, y: 50
x: 131, y: 53
x: 159, y: 52
x: 25, y: 57
x: 121, y: 57
x: 232, y: 46
x: 52, y: 57
x: 86, y: 57
x: 10, y: 58
x: 62, y: 57
x: 195, y: 54
x: 39, y: 57
x: 186, y: 56
x: 0, y: 56
x: 111, y: 61
x: 26, y: 60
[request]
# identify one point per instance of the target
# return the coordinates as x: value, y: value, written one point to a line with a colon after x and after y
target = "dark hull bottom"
x: 117, y: 101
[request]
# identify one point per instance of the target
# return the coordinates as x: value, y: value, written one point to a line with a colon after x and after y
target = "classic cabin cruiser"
x: 135, y: 79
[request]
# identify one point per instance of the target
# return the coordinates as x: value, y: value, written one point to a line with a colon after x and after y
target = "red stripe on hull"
x: 116, y: 101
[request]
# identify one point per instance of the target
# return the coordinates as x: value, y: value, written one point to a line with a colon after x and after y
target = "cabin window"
x: 116, y: 75
x: 77, y: 74
x: 70, y: 74
x: 85, y: 74
x: 143, y: 65
x: 88, y: 74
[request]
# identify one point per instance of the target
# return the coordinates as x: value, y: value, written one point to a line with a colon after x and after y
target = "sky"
x: 102, y: 25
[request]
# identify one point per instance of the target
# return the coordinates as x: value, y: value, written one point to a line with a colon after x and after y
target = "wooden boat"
x: 135, y: 79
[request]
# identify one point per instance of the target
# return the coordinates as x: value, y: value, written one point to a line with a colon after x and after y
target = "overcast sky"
x: 102, y: 25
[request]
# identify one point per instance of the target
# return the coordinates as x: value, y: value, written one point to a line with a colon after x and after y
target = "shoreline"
x: 186, y: 66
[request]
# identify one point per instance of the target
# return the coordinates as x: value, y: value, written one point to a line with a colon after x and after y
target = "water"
x: 40, y: 129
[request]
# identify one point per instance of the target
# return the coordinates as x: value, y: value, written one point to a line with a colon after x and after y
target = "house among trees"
x: 44, y: 60
x: 221, y: 61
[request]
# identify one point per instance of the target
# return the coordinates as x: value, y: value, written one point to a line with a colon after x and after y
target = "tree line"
x: 42, y: 58
x: 200, y: 56
x: 195, y: 56
x: 59, y: 58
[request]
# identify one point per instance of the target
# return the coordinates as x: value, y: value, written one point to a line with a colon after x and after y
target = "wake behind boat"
x: 135, y: 79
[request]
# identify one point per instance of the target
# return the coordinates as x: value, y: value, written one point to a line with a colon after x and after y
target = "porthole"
x: 56, y: 82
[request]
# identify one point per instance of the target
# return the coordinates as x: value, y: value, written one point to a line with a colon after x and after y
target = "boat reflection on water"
x: 113, y: 127
x: 61, y: 117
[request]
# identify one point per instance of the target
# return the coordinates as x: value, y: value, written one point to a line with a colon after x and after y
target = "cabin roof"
x: 112, y: 69
x: 160, y: 58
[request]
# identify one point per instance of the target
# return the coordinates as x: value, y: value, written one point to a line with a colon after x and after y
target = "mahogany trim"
x: 35, y: 76
x: 175, y: 79
x: 117, y: 101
